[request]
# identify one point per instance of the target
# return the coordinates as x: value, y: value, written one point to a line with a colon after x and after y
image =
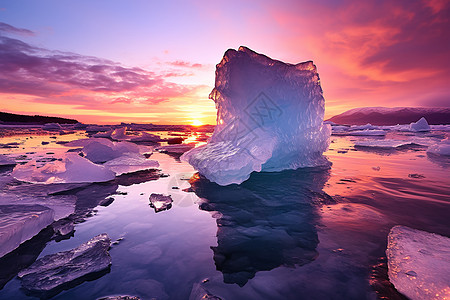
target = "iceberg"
x: 418, y: 263
x: 441, y: 148
x: 269, y: 118
x: 69, y: 168
x: 53, y: 271
x: 421, y: 125
x: 19, y: 223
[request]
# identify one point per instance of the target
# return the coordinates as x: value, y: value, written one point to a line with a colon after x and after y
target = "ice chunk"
x: 130, y: 163
x: 421, y: 125
x: 6, y: 160
x: 19, y: 223
x: 180, y: 148
x: 80, y: 126
x: 146, y: 137
x: 199, y: 292
x: 52, y: 126
x: 269, y: 118
x: 101, y: 134
x: 393, y: 143
x: 120, y: 134
x: 55, y: 270
x: 62, y: 205
x: 441, y: 148
x: 419, y: 263
x: 69, y: 168
x: 99, y: 150
x: 96, y: 128
x: 159, y: 202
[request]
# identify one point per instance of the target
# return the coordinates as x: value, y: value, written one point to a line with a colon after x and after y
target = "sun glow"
x: 196, y: 123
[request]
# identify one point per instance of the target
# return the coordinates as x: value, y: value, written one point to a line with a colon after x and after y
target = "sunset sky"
x: 153, y: 61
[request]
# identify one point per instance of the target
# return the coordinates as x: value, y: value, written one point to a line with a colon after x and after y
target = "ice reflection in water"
x: 266, y: 222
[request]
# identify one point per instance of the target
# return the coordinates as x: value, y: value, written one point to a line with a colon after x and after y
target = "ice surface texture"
x: 269, y: 118
x: 419, y: 263
x: 160, y: 202
x: 55, y: 270
x: 441, y: 148
x: 19, y: 223
x: 6, y: 161
x: 71, y: 168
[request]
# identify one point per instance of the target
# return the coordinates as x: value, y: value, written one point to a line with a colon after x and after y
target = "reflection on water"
x: 276, y: 236
x: 266, y: 222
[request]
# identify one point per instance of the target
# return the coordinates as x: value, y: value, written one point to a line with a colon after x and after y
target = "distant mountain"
x: 7, y: 118
x: 392, y: 116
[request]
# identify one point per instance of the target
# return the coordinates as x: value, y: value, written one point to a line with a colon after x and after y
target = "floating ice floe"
x: 54, y: 270
x: 130, y: 163
x: 419, y: 263
x: 52, y: 126
x: 421, y: 125
x: 269, y: 118
x: 387, y: 144
x: 441, y: 148
x: 69, y: 168
x: 19, y: 223
x: 6, y: 160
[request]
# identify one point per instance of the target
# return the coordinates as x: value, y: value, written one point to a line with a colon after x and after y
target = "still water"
x: 303, y: 234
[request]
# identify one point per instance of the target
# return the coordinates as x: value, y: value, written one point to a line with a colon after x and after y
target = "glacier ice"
x: 421, y: 125
x: 419, y: 263
x: 441, y: 148
x: 19, y: 223
x: 69, y: 168
x: 55, y: 270
x: 269, y: 118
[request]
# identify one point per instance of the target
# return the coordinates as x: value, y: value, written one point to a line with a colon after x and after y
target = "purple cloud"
x: 57, y: 75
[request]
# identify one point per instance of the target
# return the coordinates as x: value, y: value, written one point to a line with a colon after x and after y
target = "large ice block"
x: 55, y: 270
x: 269, y: 118
x: 19, y: 223
x: 69, y: 168
x: 419, y: 263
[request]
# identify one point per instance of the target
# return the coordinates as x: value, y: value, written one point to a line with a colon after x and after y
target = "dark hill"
x: 392, y: 116
x: 8, y: 118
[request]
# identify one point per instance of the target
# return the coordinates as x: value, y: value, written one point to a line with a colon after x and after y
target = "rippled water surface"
x: 303, y: 234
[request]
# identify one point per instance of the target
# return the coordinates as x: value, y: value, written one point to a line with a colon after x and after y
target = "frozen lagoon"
x: 317, y: 234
